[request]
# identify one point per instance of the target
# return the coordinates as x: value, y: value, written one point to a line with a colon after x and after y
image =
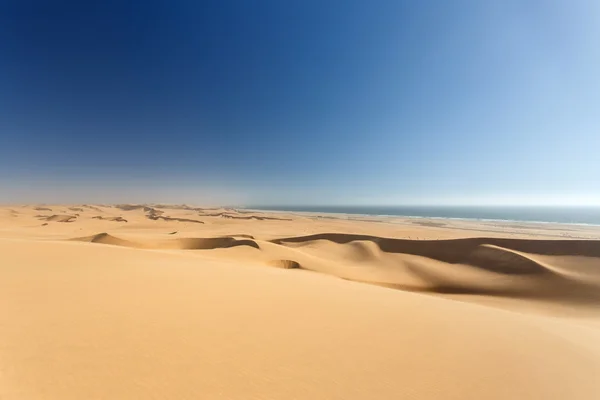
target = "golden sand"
x: 144, y: 302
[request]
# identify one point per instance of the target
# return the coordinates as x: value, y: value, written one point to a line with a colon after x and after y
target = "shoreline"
x: 418, y: 217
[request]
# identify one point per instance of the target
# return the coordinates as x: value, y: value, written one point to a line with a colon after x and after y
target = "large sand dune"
x: 492, y: 266
x: 128, y: 306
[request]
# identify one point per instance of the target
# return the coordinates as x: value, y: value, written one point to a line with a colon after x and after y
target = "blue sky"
x: 312, y: 102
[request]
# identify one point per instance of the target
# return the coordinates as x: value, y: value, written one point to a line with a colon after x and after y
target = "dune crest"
x: 243, y: 217
x: 461, y: 266
x: 58, y: 218
x: 167, y: 244
x: 114, y: 219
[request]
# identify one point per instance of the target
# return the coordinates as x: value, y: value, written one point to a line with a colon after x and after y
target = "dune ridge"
x: 498, y: 267
x: 178, y: 244
x: 58, y: 218
x: 165, y: 218
x: 114, y: 219
x: 248, y: 217
x: 449, y: 250
x: 154, y: 214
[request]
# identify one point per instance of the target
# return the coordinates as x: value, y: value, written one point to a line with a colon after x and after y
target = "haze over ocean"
x: 589, y: 215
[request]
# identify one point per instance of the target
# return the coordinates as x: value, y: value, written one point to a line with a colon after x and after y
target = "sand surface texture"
x: 177, y: 302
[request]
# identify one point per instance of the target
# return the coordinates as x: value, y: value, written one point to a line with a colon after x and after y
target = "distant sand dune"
x: 155, y: 214
x: 58, y: 218
x: 131, y: 207
x: 462, y: 266
x: 9, y: 213
x: 150, y: 207
x: 247, y: 217
x: 176, y: 244
x: 105, y: 238
x: 157, y: 217
x: 92, y: 208
x: 114, y: 219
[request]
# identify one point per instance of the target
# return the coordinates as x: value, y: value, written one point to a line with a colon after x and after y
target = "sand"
x: 178, y: 302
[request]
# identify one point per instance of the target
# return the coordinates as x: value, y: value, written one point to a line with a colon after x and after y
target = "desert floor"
x: 177, y: 302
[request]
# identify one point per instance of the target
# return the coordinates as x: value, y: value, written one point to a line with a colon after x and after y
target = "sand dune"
x: 474, y: 265
x: 248, y: 217
x: 245, y: 308
x: 452, y: 250
x: 155, y: 214
x: 164, y: 218
x: 131, y: 207
x: 179, y: 244
x: 94, y: 208
x: 114, y: 219
x: 58, y: 218
x: 9, y: 213
x: 177, y: 328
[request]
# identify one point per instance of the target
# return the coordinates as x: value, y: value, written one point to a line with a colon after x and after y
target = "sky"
x: 250, y: 102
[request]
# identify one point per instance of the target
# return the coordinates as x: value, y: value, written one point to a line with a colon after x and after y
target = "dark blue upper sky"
x: 303, y: 102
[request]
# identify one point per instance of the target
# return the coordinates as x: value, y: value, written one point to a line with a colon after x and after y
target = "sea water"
x: 568, y: 214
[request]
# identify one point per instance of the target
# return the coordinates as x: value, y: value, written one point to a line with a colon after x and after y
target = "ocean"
x: 566, y: 215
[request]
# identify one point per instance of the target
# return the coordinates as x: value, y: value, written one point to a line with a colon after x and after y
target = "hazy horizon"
x: 272, y: 103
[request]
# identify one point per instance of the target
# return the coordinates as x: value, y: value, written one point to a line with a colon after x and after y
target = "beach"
x: 182, y: 302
